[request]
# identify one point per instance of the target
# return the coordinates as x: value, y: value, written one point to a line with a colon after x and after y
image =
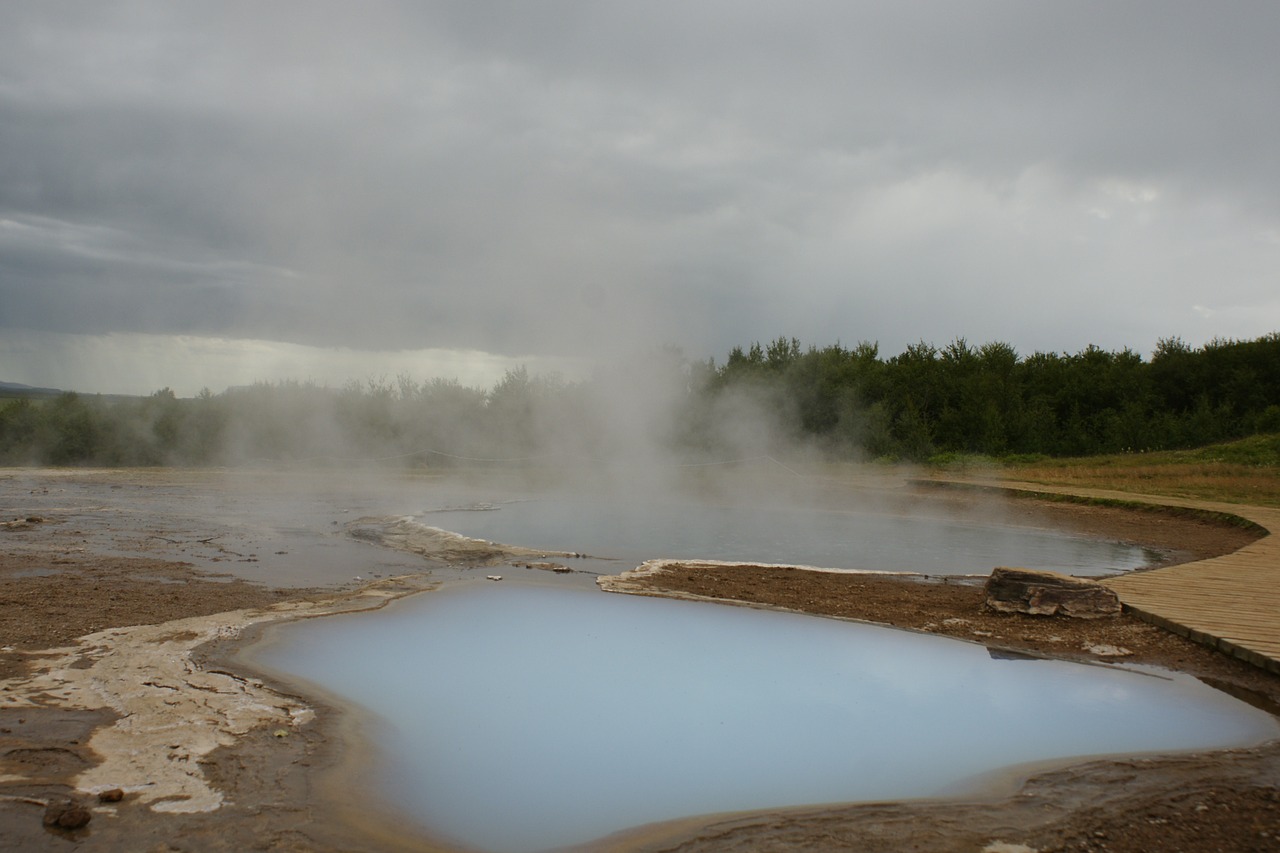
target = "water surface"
x: 634, y: 530
x: 287, y: 528
x: 519, y: 717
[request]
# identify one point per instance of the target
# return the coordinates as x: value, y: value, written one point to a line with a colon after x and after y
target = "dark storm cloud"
x: 561, y: 177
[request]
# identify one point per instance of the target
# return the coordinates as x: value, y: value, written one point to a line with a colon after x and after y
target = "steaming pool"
x: 630, y: 530
x: 525, y: 716
x: 540, y: 712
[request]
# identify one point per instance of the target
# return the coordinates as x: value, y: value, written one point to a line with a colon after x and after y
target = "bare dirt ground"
x: 274, y: 793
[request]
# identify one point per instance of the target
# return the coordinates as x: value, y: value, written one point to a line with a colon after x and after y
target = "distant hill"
x: 13, y: 390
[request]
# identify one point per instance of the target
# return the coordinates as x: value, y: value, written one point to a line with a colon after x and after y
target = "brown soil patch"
x: 1185, y: 538
x: 86, y: 593
x: 947, y: 608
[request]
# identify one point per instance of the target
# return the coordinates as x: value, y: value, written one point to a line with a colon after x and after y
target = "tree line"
x: 845, y: 402
x: 399, y: 422
x: 988, y: 400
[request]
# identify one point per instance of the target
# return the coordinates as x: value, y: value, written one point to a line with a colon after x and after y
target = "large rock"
x: 1049, y: 594
x: 66, y: 814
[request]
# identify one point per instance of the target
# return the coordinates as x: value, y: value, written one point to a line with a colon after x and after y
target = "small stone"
x: 1006, y: 847
x: 1108, y: 651
x: 66, y: 814
x: 111, y: 795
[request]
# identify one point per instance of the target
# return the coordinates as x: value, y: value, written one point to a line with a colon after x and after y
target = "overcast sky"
x: 204, y: 194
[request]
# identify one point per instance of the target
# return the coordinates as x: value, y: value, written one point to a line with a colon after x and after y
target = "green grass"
x: 1261, y: 451
x: 1245, y: 471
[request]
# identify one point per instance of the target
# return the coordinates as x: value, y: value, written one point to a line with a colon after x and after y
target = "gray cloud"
x: 562, y: 178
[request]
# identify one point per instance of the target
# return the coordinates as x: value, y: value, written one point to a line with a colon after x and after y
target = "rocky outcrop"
x: 1041, y: 593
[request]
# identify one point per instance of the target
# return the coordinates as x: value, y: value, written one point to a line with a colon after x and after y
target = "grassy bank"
x: 1245, y: 471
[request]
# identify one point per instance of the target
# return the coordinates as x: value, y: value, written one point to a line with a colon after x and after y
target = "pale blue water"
x: 638, y: 530
x: 519, y: 717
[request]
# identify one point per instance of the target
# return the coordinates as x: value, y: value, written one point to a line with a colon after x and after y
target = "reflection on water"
x: 519, y: 718
x: 682, y: 529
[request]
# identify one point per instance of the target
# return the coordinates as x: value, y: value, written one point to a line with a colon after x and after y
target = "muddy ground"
x: 275, y: 794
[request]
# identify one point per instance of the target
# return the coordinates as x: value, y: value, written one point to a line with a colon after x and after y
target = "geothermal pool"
x: 632, y: 529
x: 288, y: 528
x: 518, y: 717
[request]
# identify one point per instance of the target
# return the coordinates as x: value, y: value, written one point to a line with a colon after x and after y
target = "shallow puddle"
x: 520, y: 717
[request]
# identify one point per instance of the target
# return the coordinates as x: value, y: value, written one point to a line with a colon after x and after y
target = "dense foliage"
x: 850, y: 403
x: 989, y: 400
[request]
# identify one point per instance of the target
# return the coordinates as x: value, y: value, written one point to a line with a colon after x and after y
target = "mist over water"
x: 517, y: 718
x: 291, y: 527
x: 634, y: 528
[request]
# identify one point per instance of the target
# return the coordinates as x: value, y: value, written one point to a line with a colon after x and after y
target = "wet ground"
x: 89, y: 553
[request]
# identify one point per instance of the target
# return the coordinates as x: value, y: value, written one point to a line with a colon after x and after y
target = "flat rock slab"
x: 1042, y: 593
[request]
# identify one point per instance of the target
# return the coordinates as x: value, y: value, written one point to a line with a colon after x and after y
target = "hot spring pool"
x: 519, y: 717
x: 631, y: 530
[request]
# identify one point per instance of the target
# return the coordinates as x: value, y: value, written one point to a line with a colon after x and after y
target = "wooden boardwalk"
x: 1230, y: 603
